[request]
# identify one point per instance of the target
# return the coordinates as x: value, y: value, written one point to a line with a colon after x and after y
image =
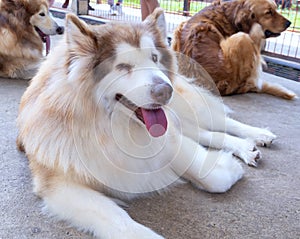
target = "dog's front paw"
x: 141, y: 232
x: 264, y: 138
x: 248, y: 153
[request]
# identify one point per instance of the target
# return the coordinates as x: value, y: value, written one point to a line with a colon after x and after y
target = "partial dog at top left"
x: 25, y: 26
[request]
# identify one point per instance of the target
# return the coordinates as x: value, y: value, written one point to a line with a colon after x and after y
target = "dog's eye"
x: 269, y: 12
x: 42, y: 14
x: 154, y: 58
x: 124, y: 67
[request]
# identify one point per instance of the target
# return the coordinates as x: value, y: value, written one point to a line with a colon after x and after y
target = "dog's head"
x: 34, y: 12
x: 129, y: 66
x: 42, y: 20
x: 263, y: 12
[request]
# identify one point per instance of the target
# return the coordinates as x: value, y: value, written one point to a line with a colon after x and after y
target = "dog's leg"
x: 245, y: 149
x: 277, y: 90
x: 224, y: 135
x: 210, y: 170
x: 205, y: 122
x: 262, y: 137
x: 91, y: 211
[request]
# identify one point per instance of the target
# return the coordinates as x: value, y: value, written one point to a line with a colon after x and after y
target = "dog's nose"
x: 161, y: 92
x: 287, y: 24
x: 60, y: 30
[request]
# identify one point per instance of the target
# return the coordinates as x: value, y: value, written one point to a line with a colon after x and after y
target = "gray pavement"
x: 264, y: 204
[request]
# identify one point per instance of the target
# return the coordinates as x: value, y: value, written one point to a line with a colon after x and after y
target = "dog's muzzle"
x: 274, y: 34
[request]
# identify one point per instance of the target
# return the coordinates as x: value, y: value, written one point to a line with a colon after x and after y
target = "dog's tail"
x: 176, y: 42
x: 277, y: 90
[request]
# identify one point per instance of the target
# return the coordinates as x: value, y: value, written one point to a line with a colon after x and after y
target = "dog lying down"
x: 225, y: 38
x: 108, y: 116
x: 25, y: 26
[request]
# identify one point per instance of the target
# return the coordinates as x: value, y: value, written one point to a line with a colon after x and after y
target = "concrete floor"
x: 264, y: 204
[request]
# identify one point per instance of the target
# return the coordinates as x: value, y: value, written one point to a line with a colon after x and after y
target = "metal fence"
x: 287, y: 45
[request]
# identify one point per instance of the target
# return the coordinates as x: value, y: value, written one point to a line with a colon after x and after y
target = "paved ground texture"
x: 264, y: 204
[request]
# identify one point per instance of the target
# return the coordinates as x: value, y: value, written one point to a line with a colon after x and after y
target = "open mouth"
x: 154, y: 118
x: 271, y: 34
x: 45, y: 38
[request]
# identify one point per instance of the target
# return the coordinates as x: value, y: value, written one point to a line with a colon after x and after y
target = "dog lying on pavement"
x: 25, y: 26
x: 225, y: 39
x: 108, y: 116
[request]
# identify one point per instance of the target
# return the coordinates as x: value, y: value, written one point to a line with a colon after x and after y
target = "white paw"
x: 248, y: 152
x: 264, y: 137
x: 141, y: 232
x: 223, y: 175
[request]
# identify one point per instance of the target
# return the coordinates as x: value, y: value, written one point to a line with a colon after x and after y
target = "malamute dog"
x: 107, y: 116
x: 25, y: 25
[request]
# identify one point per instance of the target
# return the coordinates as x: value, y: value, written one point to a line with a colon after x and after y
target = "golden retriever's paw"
x: 264, y: 138
x: 292, y: 96
x: 248, y: 152
x: 287, y: 94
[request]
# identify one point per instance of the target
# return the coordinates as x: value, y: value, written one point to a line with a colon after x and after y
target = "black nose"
x: 60, y: 30
x: 287, y: 24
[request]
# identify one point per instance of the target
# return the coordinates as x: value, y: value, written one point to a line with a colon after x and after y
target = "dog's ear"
x: 244, y: 19
x: 157, y: 19
x: 80, y: 38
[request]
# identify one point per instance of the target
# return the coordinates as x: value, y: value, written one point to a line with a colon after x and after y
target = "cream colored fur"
x: 85, y: 147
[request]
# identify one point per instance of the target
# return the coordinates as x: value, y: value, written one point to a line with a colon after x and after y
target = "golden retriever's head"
x: 263, y: 12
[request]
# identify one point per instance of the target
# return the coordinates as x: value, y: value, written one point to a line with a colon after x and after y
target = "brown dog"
x: 225, y: 39
x: 24, y: 27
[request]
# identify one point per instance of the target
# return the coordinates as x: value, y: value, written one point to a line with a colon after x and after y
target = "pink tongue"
x: 47, y: 44
x: 155, y: 121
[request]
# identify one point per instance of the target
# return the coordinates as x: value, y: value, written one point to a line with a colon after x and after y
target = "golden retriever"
x: 225, y: 38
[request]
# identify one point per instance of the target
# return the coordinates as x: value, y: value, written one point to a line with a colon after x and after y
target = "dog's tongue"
x: 47, y: 41
x: 45, y: 38
x: 155, y: 121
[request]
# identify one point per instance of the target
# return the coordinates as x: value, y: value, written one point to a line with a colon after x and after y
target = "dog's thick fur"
x: 81, y: 126
x: 225, y: 38
x: 25, y: 24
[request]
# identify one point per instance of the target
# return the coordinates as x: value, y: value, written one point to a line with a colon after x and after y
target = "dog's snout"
x: 60, y: 30
x: 161, y: 92
x: 287, y: 24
